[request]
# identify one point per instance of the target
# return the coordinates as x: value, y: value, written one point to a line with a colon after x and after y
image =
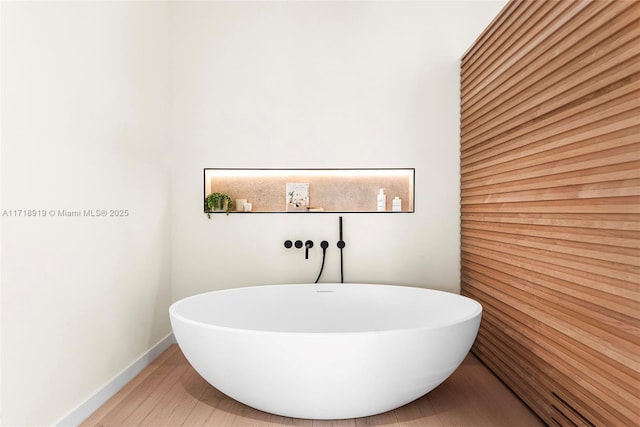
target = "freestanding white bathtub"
x: 325, y: 351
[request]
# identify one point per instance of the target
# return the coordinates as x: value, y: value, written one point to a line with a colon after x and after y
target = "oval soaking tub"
x: 325, y: 351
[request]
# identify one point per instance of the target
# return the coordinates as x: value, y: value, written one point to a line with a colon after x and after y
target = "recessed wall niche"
x: 326, y: 190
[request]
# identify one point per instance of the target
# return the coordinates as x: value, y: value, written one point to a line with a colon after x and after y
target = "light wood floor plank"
x: 277, y: 420
x: 334, y: 423
x: 206, y: 404
x: 127, y: 389
x: 248, y: 416
x: 144, y: 398
x: 225, y: 414
x: 174, y: 407
x: 170, y: 393
x: 386, y: 419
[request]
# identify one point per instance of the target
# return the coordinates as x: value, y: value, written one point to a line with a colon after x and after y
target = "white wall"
x: 85, y: 125
x: 319, y: 84
x: 97, y: 95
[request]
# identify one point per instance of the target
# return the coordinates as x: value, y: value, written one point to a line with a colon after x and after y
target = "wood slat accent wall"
x: 550, y: 162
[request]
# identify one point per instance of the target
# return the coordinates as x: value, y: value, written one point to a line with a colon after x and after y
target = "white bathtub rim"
x: 477, y: 312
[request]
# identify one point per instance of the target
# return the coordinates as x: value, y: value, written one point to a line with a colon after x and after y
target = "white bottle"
x: 382, y: 201
x: 397, y: 204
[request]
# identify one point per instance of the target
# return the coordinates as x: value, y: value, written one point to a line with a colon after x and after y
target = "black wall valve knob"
x: 288, y: 244
x: 298, y: 244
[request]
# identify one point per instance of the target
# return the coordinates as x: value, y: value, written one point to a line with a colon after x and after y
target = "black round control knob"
x: 298, y: 244
x: 288, y: 244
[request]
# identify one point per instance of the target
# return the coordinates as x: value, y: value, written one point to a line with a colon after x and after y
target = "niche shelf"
x: 329, y: 190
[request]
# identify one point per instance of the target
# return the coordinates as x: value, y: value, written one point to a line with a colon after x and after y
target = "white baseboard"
x: 82, y: 412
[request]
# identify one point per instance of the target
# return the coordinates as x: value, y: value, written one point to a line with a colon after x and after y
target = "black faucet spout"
x: 307, y: 245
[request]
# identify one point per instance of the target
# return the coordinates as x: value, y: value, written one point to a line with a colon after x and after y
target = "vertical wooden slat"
x: 550, y: 206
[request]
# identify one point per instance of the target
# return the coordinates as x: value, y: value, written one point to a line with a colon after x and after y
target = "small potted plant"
x: 217, y: 202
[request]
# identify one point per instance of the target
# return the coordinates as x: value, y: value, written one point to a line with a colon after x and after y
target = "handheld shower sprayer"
x: 341, y: 246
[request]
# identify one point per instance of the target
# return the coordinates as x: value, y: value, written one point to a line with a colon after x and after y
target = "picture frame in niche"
x: 297, y: 197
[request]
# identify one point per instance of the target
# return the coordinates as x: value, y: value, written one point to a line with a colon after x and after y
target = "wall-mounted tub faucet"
x: 298, y: 244
x: 324, y: 245
x: 307, y: 245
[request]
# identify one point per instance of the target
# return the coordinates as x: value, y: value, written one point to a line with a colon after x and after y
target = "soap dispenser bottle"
x: 382, y: 201
x: 396, y: 204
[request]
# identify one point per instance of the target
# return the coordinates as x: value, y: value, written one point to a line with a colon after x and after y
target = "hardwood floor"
x: 170, y: 393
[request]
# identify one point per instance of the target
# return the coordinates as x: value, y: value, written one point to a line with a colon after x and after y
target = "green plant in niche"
x: 217, y: 201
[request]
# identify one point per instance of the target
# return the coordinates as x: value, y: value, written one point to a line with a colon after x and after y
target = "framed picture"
x: 297, y: 197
